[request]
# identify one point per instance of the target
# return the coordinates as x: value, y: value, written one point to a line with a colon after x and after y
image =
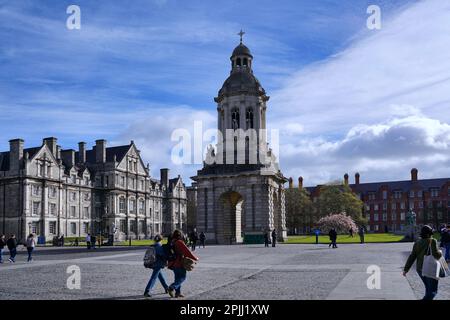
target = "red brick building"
x: 386, y: 204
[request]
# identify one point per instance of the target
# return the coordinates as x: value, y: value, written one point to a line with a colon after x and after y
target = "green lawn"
x: 138, y: 242
x: 370, y: 237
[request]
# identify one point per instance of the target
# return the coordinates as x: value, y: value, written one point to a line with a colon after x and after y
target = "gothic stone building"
x: 238, y: 200
x: 48, y: 191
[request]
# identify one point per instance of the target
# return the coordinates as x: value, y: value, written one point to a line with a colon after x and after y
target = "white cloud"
x: 380, y: 107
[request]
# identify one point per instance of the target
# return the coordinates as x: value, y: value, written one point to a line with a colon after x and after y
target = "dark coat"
x: 332, y: 234
x: 11, y: 243
x: 2, y: 243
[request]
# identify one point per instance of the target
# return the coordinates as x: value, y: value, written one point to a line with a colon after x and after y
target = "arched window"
x: 249, y: 119
x: 238, y: 62
x: 245, y: 62
x: 235, y: 119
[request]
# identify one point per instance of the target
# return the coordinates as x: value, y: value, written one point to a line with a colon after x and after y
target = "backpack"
x: 169, y: 252
x: 150, y: 257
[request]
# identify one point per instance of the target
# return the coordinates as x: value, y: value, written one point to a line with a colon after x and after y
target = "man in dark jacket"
x: 193, y: 237
x: 333, y: 238
x: 266, y: 238
x: 274, y: 237
x: 2, y: 246
x: 12, y: 246
x: 361, y: 233
x: 202, y: 239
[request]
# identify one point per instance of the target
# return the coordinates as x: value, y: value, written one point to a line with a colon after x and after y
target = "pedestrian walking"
x: 93, y: 240
x: 274, y: 237
x: 420, y: 249
x: 61, y: 240
x: 158, y: 266
x: 202, y: 239
x: 193, y: 238
x: 266, y: 239
x: 333, y: 238
x: 445, y: 242
x: 88, y: 241
x: 182, y: 252
x: 31, y: 244
x: 12, y: 247
x: 2, y: 246
x: 361, y: 233
x: 351, y: 232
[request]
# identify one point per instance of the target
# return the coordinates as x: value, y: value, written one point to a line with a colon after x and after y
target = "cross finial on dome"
x: 241, y: 33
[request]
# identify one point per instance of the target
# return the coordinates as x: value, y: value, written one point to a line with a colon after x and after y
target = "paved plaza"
x: 289, y: 271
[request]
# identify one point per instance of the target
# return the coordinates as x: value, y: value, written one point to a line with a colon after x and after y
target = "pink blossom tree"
x: 341, y: 222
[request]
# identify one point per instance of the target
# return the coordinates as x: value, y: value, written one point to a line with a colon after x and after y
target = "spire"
x: 241, y: 33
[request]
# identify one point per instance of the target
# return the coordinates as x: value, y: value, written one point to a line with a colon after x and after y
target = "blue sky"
x: 136, y: 71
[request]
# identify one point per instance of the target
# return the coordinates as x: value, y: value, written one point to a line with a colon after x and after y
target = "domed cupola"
x: 241, y: 79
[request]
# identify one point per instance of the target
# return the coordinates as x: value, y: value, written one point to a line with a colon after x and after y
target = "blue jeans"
x: 431, y: 287
x: 180, y: 276
x: 30, y: 251
x: 12, y: 254
x: 447, y: 251
x: 157, y: 274
x: 1, y: 255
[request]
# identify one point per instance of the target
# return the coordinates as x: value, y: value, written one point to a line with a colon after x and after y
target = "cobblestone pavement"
x: 288, y: 271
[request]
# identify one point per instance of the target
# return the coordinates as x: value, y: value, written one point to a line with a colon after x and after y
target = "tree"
x: 341, y: 222
x: 299, y: 209
x: 334, y: 199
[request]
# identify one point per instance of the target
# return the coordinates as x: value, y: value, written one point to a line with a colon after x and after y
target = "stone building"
x: 106, y: 190
x: 240, y: 191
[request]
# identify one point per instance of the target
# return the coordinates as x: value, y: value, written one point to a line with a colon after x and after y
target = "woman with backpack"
x: 418, y: 253
x: 182, y: 252
x: 159, y: 264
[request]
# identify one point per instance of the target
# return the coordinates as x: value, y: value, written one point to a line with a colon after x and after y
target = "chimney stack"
x: 414, y: 174
x: 15, y: 154
x: 357, y: 178
x: 291, y: 183
x: 100, y: 151
x: 346, y: 179
x: 165, y: 177
x: 68, y: 156
x: 51, y: 144
x: 81, y: 152
x: 300, y: 182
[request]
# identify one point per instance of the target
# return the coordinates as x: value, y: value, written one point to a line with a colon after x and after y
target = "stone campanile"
x: 240, y: 188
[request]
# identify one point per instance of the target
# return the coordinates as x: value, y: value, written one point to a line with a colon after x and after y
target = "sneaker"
x: 147, y: 295
x: 171, y: 292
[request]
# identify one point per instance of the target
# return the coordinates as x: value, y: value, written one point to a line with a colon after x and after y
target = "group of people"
x: 194, y: 237
x: 12, y: 245
x: 333, y: 236
x: 173, y: 256
x: 268, y: 236
x: 90, y: 241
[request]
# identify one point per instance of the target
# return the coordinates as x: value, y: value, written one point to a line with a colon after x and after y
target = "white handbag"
x: 445, y: 270
x: 431, y: 266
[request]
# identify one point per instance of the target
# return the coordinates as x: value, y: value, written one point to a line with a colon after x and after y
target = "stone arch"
x: 230, y: 218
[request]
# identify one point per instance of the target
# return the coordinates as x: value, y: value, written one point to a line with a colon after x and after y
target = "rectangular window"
x: 73, y: 211
x: 132, y: 205
x: 123, y: 226
x: 73, y: 196
x: 85, y: 227
x: 36, y: 190
x: 52, y: 227
x: 375, y: 217
x: 376, y: 207
x: 141, y: 206
x: 86, y: 196
x: 411, y: 204
x: 53, y: 192
x: 434, y: 193
x: 34, y: 227
x: 384, y: 206
x: 86, y: 181
x: 439, y: 215
x: 74, y: 178
x: 376, y: 227
x: 420, y: 194
x: 394, y: 216
x: 121, y: 205
x: 421, y: 204
x: 122, y: 181
x: 411, y: 194
x: 402, y: 205
x: 397, y: 194
x: 86, y: 212
x: 402, y: 216
x: 53, y: 209
x: 384, y: 216
x: 394, y: 206
x: 73, y: 228
x: 36, y: 208
x: 42, y: 170
x: 141, y: 226
x: 384, y: 194
x: 371, y: 196
x: 142, y: 185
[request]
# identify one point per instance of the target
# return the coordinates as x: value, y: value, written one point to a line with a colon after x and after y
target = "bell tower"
x: 240, y: 187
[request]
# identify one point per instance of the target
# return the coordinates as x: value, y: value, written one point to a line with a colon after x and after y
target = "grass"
x: 368, y: 238
x: 138, y: 242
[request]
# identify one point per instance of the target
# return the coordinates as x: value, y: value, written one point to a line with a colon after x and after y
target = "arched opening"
x: 230, y: 219
x: 235, y: 119
x: 238, y: 62
x: 249, y: 119
x: 245, y: 62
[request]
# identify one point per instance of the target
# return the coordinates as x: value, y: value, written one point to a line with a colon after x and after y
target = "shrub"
x: 341, y: 222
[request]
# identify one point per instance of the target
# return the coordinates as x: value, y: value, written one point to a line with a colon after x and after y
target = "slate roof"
x: 404, y: 186
x: 119, y: 152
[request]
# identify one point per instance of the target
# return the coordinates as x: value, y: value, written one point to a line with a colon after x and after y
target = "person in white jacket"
x: 31, y: 244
